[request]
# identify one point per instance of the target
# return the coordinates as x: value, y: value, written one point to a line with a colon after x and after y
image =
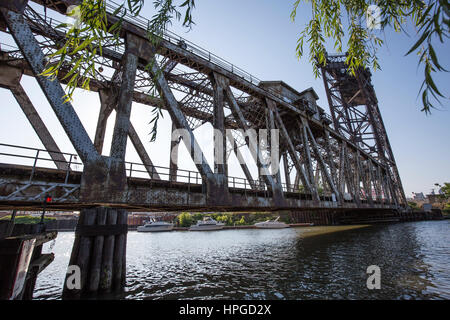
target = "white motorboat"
x: 155, y: 226
x: 271, y: 224
x: 207, y: 224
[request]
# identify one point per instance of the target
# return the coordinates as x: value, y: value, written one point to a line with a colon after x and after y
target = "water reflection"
x: 303, y: 263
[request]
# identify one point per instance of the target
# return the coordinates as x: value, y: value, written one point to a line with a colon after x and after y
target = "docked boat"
x: 207, y: 224
x: 155, y: 226
x: 271, y: 224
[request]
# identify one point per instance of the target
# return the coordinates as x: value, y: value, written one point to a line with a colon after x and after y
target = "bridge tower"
x: 356, y: 115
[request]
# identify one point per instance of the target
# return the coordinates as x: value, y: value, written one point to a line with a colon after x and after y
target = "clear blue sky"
x: 258, y: 36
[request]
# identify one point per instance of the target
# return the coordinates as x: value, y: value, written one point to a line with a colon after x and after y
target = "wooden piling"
x: 119, y: 249
x: 67, y: 293
x: 97, y: 252
x: 108, y: 254
x: 84, y: 253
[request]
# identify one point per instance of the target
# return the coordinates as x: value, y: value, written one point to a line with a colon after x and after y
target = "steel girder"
x: 356, y: 115
x: 325, y: 161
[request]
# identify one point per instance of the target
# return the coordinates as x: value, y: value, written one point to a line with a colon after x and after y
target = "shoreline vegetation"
x: 27, y: 219
x: 186, y: 219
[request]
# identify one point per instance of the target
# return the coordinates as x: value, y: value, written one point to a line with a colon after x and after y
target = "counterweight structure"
x: 356, y: 115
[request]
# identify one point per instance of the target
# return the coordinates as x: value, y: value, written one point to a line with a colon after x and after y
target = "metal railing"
x: 193, y: 48
x: 173, y: 38
x: 41, y: 158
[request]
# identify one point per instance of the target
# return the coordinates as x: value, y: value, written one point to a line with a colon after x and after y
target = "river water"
x: 295, y: 263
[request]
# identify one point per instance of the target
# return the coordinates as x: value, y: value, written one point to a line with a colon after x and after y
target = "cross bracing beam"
x: 10, y: 79
x: 196, y: 113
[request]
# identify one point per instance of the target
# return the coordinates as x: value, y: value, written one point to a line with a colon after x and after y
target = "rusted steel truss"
x: 356, y: 115
x: 329, y: 167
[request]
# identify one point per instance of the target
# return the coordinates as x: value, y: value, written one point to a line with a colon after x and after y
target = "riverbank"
x: 292, y: 225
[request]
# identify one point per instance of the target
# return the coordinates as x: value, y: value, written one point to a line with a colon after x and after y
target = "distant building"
x: 418, y: 196
x: 139, y: 218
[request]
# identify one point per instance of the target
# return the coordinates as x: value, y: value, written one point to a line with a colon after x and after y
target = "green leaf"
x: 430, y: 82
x: 419, y: 42
x: 84, y: 44
x: 435, y: 59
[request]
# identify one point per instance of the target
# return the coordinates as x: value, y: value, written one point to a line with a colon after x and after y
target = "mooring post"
x: 119, y: 251
x: 97, y: 252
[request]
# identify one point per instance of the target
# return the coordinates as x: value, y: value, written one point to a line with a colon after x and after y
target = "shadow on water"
x: 296, y: 263
x: 334, y: 265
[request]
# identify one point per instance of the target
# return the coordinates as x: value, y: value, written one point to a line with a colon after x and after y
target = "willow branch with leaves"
x: 430, y: 18
x: 91, y: 33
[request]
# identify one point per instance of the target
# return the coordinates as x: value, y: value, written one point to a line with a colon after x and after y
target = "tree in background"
x: 185, y: 219
x: 445, y: 189
x: 225, y: 218
x: 241, y: 222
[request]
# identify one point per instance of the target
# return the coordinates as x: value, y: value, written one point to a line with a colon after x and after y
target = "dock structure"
x: 328, y: 163
x: 21, y: 258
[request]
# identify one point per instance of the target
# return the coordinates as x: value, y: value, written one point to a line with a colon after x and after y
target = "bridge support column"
x: 220, y: 190
x: 99, y: 251
x: 125, y: 99
x: 174, y: 143
x: 107, y: 103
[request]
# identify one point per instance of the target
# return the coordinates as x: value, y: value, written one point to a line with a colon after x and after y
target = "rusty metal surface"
x: 332, y: 168
x: 16, y: 191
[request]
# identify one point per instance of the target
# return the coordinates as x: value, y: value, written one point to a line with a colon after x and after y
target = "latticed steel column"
x: 356, y: 115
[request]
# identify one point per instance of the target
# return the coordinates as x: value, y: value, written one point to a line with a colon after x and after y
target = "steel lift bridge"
x: 341, y: 165
x: 338, y: 163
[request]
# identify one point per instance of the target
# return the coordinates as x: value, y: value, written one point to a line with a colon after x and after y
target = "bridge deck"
x: 326, y: 164
x: 25, y: 186
x: 17, y: 191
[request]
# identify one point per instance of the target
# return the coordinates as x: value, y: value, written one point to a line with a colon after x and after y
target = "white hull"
x: 206, y: 227
x: 154, y: 229
x: 271, y: 225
